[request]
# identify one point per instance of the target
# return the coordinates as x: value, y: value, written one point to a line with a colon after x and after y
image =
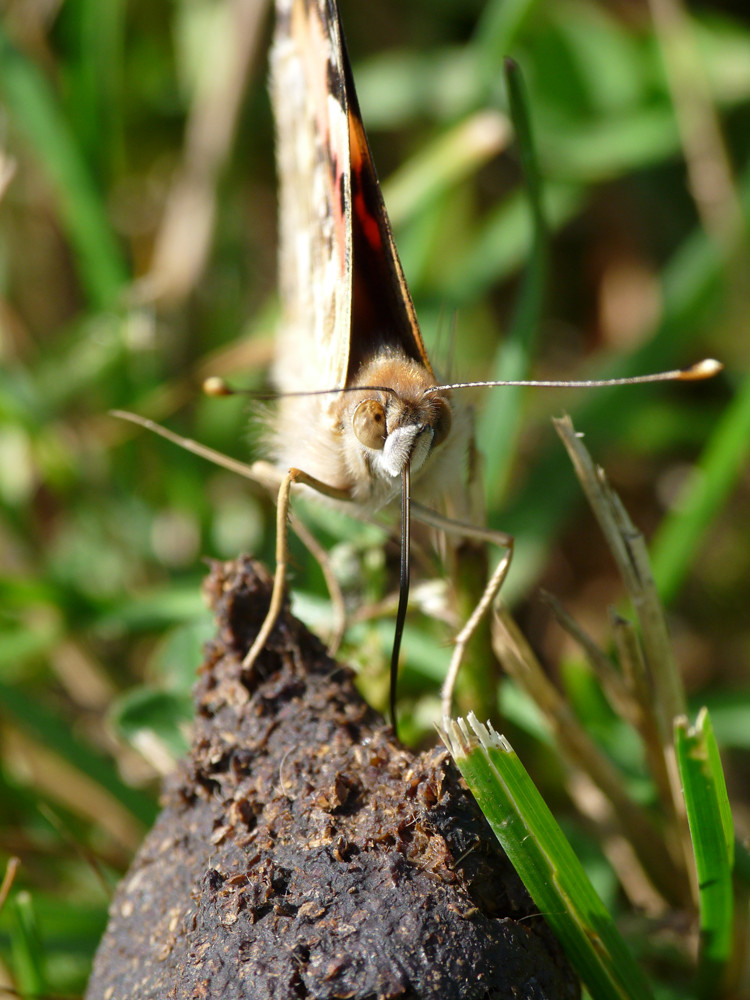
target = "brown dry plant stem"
x: 11, y: 868
x: 709, y: 170
x: 628, y: 693
x: 613, y: 683
x: 630, y: 657
x: 710, y: 177
x: 184, y: 238
x: 666, y: 694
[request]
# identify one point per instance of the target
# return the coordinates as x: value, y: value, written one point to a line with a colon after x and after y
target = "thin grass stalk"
x: 518, y: 659
x: 629, y: 550
x: 630, y: 657
x: 613, y: 685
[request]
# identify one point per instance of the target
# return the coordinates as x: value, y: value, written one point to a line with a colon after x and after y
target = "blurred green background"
x: 138, y: 256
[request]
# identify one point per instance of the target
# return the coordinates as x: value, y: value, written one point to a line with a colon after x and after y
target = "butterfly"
x: 348, y: 318
x: 389, y: 430
x: 361, y: 418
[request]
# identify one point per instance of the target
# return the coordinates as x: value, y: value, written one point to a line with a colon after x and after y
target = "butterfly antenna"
x: 694, y: 373
x: 217, y: 386
x: 403, y: 586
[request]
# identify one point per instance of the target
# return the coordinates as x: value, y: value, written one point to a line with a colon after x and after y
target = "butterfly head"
x: 395, y: 423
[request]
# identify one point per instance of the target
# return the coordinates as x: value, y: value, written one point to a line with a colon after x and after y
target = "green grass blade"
x: 67, y: 932
x: 545, y: 861
x: 32, y: 104
x: 94, y: 80
x: 503, y: 242
x: 450, y: 159
x: 499, y: 422
x: 499, y: 25
x: 154, y: 722
x: 26, y: 947
x: 52, y: 731
x: 680, y: 534
x: 712, y: 833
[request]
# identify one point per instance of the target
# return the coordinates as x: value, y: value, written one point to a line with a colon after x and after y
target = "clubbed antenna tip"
x: 215, y: 386
x: 702, y: 369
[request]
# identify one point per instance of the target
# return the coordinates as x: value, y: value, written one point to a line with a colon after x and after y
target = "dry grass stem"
x: 630, y: 657
x: 667, y: 695
x: 184, y: 238
x: 518, y: 659
x: 614, y: 686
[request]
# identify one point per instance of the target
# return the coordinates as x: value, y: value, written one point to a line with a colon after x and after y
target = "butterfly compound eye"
x: 443, y: 421
x: 369, y: 424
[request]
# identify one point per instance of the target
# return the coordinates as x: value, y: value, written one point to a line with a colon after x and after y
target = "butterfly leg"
x: 463, y: 638
x: 338, y: 605
x: 469, y: 531
x: 282, y: 552
x: 279, y: 577
x: 269, y: 477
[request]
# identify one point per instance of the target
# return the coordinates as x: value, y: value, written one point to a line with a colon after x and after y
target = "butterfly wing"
x: 383, y: 313
x: 312, y: 152
x: 344, y: 297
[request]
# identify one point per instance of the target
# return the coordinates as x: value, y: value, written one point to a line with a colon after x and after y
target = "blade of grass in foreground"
x: 712, y: 833
x: 545, y: 861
